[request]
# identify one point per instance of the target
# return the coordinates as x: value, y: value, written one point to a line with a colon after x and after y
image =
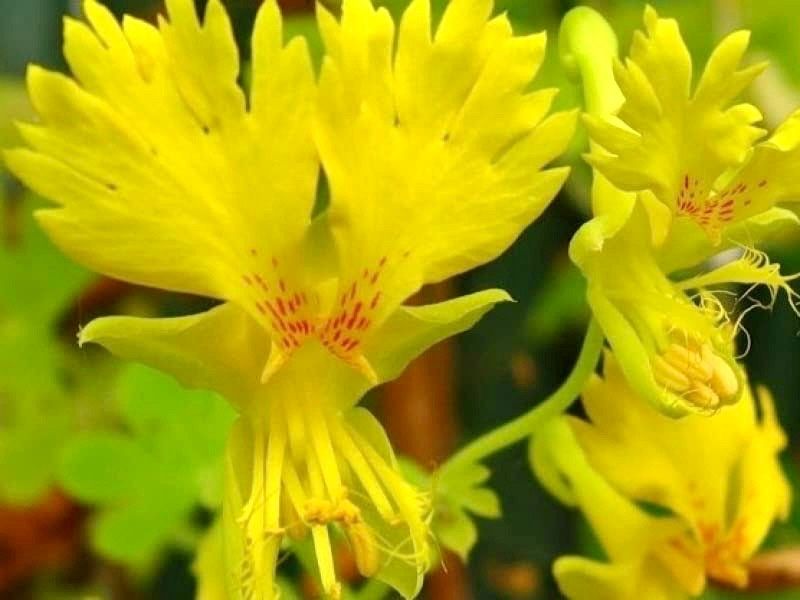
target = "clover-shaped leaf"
x: 460, y: 496
x: 147, y: 480
x: 457, y: 497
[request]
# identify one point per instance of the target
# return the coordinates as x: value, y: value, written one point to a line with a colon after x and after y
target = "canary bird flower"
x: 168, y: 174
x: 673, y: 187
x: 694, y: 151
x: 719, y: 478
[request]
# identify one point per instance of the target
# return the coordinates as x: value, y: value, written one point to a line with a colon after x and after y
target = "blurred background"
x: 108, y: 471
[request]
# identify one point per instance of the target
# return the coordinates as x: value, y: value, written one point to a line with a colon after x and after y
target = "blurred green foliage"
x: 39, y: 374
x: 147, y: 479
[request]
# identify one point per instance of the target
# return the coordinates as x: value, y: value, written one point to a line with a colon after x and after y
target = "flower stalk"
x: 527, y: 424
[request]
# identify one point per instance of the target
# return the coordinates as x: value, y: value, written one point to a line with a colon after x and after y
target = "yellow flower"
x: 677, y: 351
x: 167, y: 174
x: 655, y: 157
x: 720, y: 479
x: 692, y: 150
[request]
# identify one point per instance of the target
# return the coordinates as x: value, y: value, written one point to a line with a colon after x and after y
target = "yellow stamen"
x: 297, y: 432
x: 323, y: 449
x: 363, y: 471
x: 703, y: 396
x: 327, y: 574
x: 668, y: 376
x: 294, y: 488
x: 723, y: 379
x: 322, y: 543
x: 688, y: 361
x: 696, y: 372
x: 293, y: 524
x: 260, y: 517
x: 365, y: 549
x: 404, y: 496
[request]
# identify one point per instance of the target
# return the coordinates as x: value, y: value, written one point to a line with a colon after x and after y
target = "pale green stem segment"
x: 526, y: 425
x: 587, y: 47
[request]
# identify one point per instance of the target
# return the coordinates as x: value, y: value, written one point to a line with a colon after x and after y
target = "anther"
x: 723, y: 379
x: 365, y: 549
x: 668, y: 376
x: 696, y: 371
x: 688, y: 361
x: 703, y: 396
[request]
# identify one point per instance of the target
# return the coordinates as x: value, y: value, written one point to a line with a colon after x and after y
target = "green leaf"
x: 146, y: 481
x: 30, y: 445
x: 134, y: 534
x: 38, y: 412
x: 457, y: 497
x: 455, y: 530
x: 482, y: 502
x: 103, y: 467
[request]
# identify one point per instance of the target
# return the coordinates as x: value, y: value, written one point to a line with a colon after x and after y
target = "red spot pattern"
x: 712, y: 210
x: 289, y: 314
x: 345, y: 328
x: 287, y: 310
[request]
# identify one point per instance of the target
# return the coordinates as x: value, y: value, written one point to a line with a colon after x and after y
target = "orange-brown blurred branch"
x: 419, y: 413
x: 776, y: 570
x: 44, y: 536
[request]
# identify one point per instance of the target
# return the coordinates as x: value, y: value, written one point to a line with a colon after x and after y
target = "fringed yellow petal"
x: 162, y: 175
x: 583, y: 579
x: 643, y: 551
x: 769, y: 176
x: 433, y: 151
x: 665, y: 467
x: 729, y: 494
x: 668, y: 140
x: 754, y: 268
x: 765, y: 495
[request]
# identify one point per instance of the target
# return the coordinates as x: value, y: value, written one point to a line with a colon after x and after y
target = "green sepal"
x: 222, y: 349
x: 413, y: 329
x: 460, y: 496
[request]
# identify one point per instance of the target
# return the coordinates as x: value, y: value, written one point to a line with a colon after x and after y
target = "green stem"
x: 524, y: 426
x: 588, y: 47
